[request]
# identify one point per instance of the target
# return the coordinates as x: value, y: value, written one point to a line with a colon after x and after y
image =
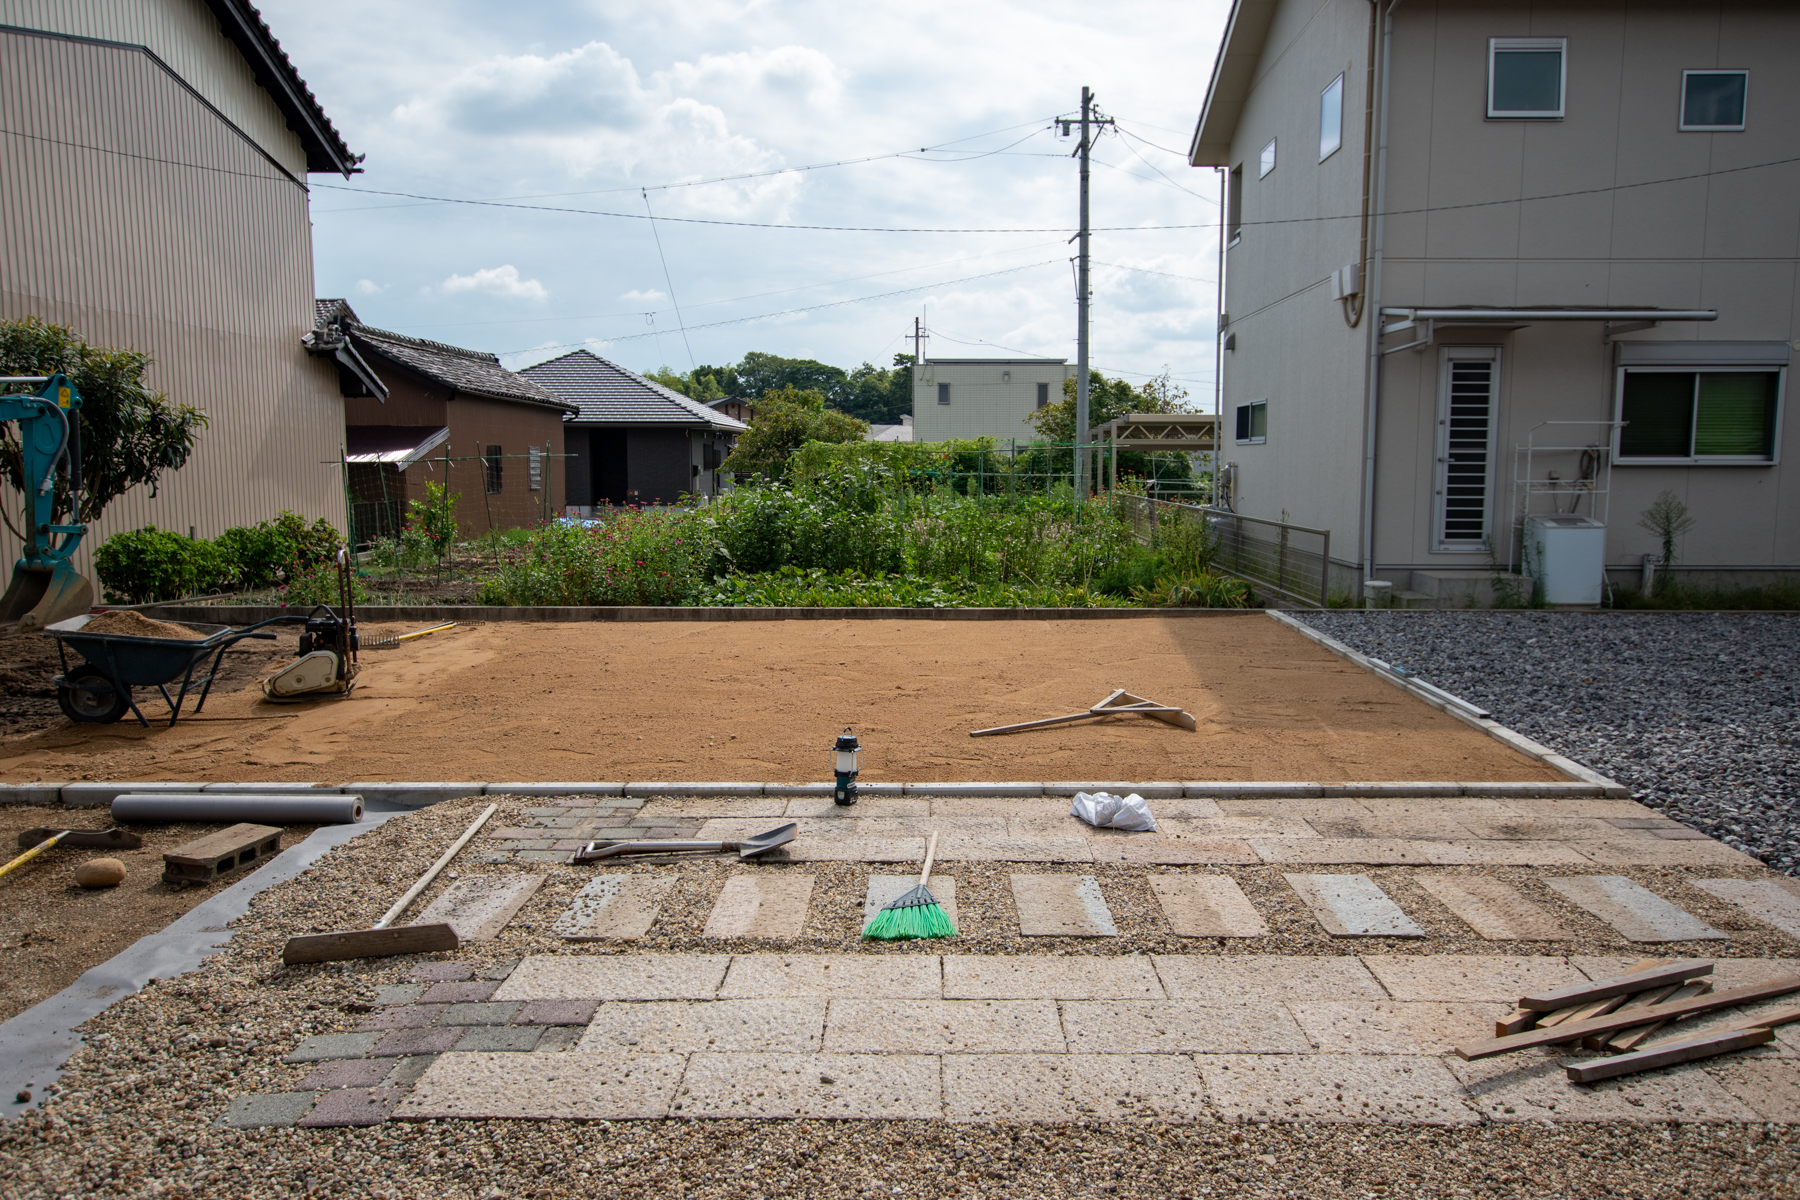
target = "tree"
x: 786, y: 420
x: 1109, y: 399
x: 876, y: 394
x: 130, y: 434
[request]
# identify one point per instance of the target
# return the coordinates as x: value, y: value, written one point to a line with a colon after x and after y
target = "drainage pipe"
x: 297, y: 809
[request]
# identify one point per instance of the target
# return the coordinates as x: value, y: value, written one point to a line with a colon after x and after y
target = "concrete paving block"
x: 1356, y: 1026
x: 345, y: 1073
x: 1458, y: 809
x: 864, y: 976
x: 322, y: 1047
x: 1399, y: 828
x: 1149, y: 791
x: 555, y: 1012
x: 459, y: 993
x: 403, y: 1042
x: 406, y: 1016
x: 1180, y: 1027
x: 350, y: 1107
x: 497, y: 970
x: 412, y: 795
x: 406, y: 1071
x: 42, y: 795
x: 1769, y: 1087
x: 998, y: 806
x: 558, y: 1038
x: 479, y: 906
x: 723, y: 789
x: 949, y: 790
x: 1043, y: 977
x: 269, y: 1109
x: 766, y: 905
x: 1378, y: 1088
x: 1188, y: 808
x: 1494, y: 908
x: 1073, y: 1087
x: 1253, y: 791
x: 1662, y: 852
x: 514, y: 1038
x: 1304, y: 810
x: 885, y: 889
x: 93, y: 795
x: 793, y: 790
x: 943, y: 1027
x: 1511, y: 1087
x: 613, y: 907
x: 825, y: 808
x: 1393, y: 789
x: 688, y: 808
x: 1373, y: 852
x: 1011, y: 849
x: 1727, y: 972
x: 1637, y: 914
x: 1178, y: 849
x: 1061, y: 906
x: 616, y: 977
x: 554, y: 789
x: 812, y: 1086
x: 1441, y: 1025
x: 1206, y: 906
x: 1765, y: 899
x: 481, y: 1012
x: 1500, y: 852
x: 1531, y: 827
x: 1569, y: 805
x: 1496, y: 977
x: 1353, y: 906
x: 398, y: 993
x: 834, y: 847
x: 1274, y: 825
x: 546, y: 1087
x: 1240, y: 978
x: 252, y: 789
x: 687, y: 1026
x: 441, y: 972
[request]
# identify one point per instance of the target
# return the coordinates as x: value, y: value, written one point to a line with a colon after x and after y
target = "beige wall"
x: 130, y: 212
x: 988, y: 398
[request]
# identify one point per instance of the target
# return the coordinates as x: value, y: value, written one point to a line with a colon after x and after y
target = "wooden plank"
x: 1627, y: 1040
x: 205, y: 859
x: 1574, y: 1031
x: 1521, y: 1019
x: 1047, y: 721
x: 226, y: 841
x: 1768, y: 1020
x: 1180, y: 718
x: 1706, y: 1046
x: 369, y: 943
x: 1619, y: 985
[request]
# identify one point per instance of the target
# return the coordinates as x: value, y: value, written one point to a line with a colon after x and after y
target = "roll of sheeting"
x: 263, y: 808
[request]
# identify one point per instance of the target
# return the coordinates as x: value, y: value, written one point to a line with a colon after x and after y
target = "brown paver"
x: 352, y: 1106
x: 1206, y: 906
x: 864, y: 976
x: 685, y: 1026
x: 1061, y: 906
x: 766, y: 905
x: 1494, y: 908
x: 1385, y: 1088
x: 1072, y: 1087
x: 821, y: 1086
x: 943, y: 1027
x: 1236, y: 978
x: 546, y: 1086
x: 1180, y: 1027
x: 1033, y: 977
x: 479, y: 906
x: 460, y: 993
x: 348, y: 1073
x: 1490, y: 977
x: 621, y: 977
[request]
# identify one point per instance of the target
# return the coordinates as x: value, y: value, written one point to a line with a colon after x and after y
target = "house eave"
x: 1234, y: 72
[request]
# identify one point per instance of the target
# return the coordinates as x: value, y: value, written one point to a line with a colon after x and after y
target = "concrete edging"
x: 248, y: 614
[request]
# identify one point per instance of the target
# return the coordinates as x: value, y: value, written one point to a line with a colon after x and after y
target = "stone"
x: 815, y: 1086
x: 321, y: 1047
x: 459, y: 993
x: 441, y: 972
x: 1206, y: 906
x: 767, y: 904
x: 398, y: 993
x: 885, y: 889
x: 1240, y: 978
x: 1486, y: 977
x: 1305, y: 810
x: 558, y: 1038
x: 479, y: 906
x: 514, y: 1038
x: 100, y: 873
x: 614, y: 907
x: 1494, y: 908
x: 269, y: 1109
x: 1765, y: 899
x: 943, y: 1027
x: 1639, y: 915
x: 686, y: 1026
x: 345, y: 1073
x: 402, y: 1042
x: 1061, y: 906
x: 1441, y: 1025
x: 407, y: 1070
x: 1356, y: 1026
x: 555, y: 1012
x: 484, y: 1012
x: 621, y: 977
x: 351, y: 1107
x: 1073, y: 1087
x: 1376, y: 1088
x: 865, y: 976
x: 1048, y: 977
x: 546, y: 1086
x: 1353, y: 906
x: 1179, y: 1027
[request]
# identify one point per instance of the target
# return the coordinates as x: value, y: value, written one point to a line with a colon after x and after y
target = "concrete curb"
x: 1463, y: 711
x: 247, y: 614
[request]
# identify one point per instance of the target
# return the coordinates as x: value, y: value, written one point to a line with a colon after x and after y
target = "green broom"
x: 916, y: 913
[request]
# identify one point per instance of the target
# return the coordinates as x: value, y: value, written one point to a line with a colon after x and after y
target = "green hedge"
x: 146, y: 565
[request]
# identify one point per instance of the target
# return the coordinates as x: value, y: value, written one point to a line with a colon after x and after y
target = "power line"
x: 666, y: 279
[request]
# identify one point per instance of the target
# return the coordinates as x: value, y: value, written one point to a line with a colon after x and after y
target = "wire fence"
x: 1292, y: 561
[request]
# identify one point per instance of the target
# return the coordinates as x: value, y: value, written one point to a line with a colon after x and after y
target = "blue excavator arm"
x: 45, y: 586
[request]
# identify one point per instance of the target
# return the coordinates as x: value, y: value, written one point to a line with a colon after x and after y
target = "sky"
x: 634, y: 109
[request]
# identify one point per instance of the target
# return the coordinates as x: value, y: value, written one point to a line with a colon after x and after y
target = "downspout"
x: 1372, y: 298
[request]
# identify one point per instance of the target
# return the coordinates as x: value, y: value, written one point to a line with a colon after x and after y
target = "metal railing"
x: 1292, y: 561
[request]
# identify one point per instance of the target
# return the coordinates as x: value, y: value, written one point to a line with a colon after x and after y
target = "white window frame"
x: 1337, y: 135
x: 1440, y: 475
x: 1561, y: 46
x: 1681, y: 121
x: 1266, y: 161
x: 1253, y: 440
x: 1698, y: 460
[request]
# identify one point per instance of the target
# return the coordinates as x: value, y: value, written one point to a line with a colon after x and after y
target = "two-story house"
x: 1501, y: 272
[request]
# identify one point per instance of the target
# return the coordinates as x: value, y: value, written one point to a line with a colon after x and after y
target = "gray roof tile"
x: 608, y: 394
x: 471, y: 371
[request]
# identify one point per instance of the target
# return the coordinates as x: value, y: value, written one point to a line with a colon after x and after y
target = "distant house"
x: 983, y: 397
x: 631, y: 440
x: 735, y: 407
x: 901, y: 432
x: 155, y: 197
x: 417, y: 411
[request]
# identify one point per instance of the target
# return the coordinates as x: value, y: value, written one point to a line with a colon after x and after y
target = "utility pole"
x: 1090, y: 118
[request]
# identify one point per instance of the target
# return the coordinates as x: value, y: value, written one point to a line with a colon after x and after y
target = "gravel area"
x: 1697, y: 713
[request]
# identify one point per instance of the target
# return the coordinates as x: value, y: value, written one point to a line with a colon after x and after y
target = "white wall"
x: 988, y: 397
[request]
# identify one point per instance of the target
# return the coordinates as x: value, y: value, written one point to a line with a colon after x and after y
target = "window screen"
x: 1331, y: 118
x: 1699, y: 415
x: 490, y: 462
x: 943, y: 393
x: 1043, y: 395
x: 1713, y: 99
x: 1525, y: 77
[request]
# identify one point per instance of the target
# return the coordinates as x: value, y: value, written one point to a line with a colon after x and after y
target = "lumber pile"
x: 1621, y: 1016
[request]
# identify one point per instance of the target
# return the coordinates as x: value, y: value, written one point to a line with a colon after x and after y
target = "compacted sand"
x: 762, y: 700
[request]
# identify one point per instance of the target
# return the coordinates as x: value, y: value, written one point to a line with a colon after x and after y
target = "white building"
x: 983, y: 397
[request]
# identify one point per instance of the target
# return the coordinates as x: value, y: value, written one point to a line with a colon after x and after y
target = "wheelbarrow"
x: 98, y: 691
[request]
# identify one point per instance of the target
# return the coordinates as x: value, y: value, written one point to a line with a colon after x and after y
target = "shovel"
x: 762, y: 843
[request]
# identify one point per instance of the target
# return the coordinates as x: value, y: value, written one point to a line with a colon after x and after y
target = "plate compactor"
x: 326, y: 665
x: 45, y: 587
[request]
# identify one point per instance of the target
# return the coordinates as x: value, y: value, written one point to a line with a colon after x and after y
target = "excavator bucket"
x: 40, y: 596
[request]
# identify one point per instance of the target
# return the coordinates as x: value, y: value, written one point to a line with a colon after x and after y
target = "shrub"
x: 141, y: 566
x: 318, y: 584
x: 434, y: 518
x: 1198, y: 591
x: 632, y: 558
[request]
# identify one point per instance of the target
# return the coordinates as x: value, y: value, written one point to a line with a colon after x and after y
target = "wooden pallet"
x: 217, y: 854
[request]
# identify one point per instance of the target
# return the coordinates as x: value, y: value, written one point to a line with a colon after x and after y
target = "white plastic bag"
x: 1107, y: 811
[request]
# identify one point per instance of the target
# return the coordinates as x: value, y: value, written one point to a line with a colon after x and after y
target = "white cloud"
x: 498, y: 281
x: 368, y: 287
x: 649, y: 296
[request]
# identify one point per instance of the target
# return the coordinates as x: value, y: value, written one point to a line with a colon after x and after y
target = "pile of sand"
x: 124, y: 623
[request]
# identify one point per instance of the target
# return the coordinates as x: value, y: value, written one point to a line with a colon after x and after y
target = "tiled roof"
x: 325, y: 310
x: 244, y: 26
x: 609, y: 394
x: 472, y: 371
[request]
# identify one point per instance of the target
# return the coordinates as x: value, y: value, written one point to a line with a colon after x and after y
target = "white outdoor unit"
x: 1568, y: 556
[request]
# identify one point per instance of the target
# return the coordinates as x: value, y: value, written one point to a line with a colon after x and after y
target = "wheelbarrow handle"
x: 617, y: 849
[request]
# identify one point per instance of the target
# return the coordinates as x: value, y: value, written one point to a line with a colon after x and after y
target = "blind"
x: 1658, y: 411
x: 1736, y: 414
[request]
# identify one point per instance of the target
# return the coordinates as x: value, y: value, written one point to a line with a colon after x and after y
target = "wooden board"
x: 205, y: 859
x: 1686, y: 1050
x: 369, y: 943
x: 1619, y: 985
x: 1574, y: 1031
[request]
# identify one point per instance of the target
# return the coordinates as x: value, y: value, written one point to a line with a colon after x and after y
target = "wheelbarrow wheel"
x: 98, y: 703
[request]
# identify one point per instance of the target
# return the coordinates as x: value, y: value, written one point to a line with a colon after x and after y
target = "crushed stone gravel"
x: 1697, y: 713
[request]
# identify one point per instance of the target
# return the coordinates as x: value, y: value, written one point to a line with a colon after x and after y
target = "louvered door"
x: 1468, y: 401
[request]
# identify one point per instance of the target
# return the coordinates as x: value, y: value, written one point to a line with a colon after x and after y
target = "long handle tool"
x: 762, y: 843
